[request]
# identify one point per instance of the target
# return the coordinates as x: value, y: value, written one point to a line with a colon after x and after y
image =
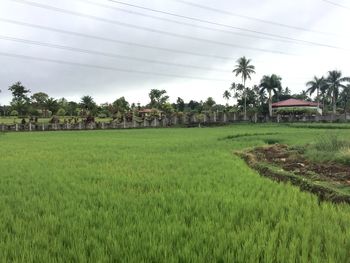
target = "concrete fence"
x: 184, y: 120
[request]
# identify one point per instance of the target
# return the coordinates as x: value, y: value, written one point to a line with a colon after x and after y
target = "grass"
x: 159, y: 195
x: 329, y: 147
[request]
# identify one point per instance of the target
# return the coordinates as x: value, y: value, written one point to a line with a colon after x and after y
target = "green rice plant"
x: 158, y: 195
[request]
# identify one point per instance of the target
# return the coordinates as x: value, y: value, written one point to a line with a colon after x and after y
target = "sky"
x: 114, y: 50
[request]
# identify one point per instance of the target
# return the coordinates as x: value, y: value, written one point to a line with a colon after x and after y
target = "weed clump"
x: 330, y: 147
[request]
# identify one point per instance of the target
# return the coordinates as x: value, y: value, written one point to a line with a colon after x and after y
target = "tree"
x: 158, y: 98
x: 88, y: 104
x: 335, y: 81
x: 238, y: 93
x: 209, y: 103
x: 270, y: 84
x: 316, y: 85
x: 194, y: 105
x: 39, y: 101
x: 52, y: 105
x: 244, y: 69
x: 226, y: 96
x: 345, y: 97
x: 20, y: 99
x: 180, y: 104
x: 303, y: 95
x: 121, y: 105
x: 72, y: 107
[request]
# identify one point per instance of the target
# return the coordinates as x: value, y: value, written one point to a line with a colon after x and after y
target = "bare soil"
x: 293, y: 167
x: 293, y: 161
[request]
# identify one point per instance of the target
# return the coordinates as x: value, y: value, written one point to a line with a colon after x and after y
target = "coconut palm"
x: 335, y: 81
x: 345, y: 97
x: 270, y: 84
x: 227, y: 96
x: 317, y: 84
x: 245, y: 69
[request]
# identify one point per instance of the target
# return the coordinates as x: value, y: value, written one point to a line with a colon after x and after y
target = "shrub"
x: 331, y: 143
x: 14, y: 113
x: 102, y: 115
x: 296, y: 110
x: 61, y: 112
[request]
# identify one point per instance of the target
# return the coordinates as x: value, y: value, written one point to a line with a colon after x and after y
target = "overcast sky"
x: 323, y: 23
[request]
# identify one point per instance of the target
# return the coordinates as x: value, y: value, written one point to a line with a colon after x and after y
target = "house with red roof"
x: 296, y: 104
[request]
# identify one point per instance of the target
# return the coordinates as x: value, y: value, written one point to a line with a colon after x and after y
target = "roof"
x: 145, y: 111
x: 294, y: 103
x: 149, y: 110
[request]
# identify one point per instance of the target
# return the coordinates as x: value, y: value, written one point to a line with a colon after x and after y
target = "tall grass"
x: 330, y: 147
x: 160, y: 195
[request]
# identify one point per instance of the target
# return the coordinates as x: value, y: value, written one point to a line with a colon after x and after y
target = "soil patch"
x: 330, y: 181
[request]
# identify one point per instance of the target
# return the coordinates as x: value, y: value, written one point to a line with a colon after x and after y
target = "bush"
x: 14, y: 113
x: 102, y: 115
x: 329, y: 148
x: 331, y: 143
x: 296, y: 110
x: 61, y: 112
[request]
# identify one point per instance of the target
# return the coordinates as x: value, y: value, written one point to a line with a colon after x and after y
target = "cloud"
x: 72, y: 82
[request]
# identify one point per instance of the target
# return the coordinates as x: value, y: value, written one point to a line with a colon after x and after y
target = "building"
x: 295, y: 105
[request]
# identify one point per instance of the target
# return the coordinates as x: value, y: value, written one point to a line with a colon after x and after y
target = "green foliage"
x: 14, y: 113
x: 296, y: 110
x: 158, y: 98
x: 330, y: 147
x: 61, y: 112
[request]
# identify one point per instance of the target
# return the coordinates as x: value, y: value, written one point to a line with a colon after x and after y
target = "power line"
x: 105, y: 54
x: 272, y: 37
x: 106, y: 68
x: 248, y: 17
x: 336, y: 4
x: 112, y: 40
x: 115, y: 22
x: 180, y: 22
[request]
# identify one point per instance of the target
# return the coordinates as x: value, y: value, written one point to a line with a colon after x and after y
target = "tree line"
x: 332, y: 93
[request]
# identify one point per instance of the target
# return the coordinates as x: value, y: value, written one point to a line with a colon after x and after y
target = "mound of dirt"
x: 283, y: 163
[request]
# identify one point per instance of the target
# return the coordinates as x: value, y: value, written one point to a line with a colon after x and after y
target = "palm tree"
x: 334, y: 82
x: 317, y: 84
x: 345, y: 97
x: 270, y: 84
x: 227, y: 96
x: 244, y: 69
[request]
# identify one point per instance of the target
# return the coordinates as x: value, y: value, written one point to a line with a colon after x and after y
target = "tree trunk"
x: 318, y: 98
x: 245, y: 100
x: 334, y: 104
x: 270, y: 104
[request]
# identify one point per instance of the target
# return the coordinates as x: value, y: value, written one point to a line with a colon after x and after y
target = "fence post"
x: 43, y: 127
x: 16, y: 127
x: 155, y: 122
x: 225, y: 117
x: 30, y: 126
x: 124, y: 123
x: 214, y: 116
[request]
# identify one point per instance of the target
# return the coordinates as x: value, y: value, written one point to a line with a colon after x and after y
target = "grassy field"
x: 160, y: 195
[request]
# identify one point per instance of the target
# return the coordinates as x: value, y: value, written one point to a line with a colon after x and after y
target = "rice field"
x: 160, y: 195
